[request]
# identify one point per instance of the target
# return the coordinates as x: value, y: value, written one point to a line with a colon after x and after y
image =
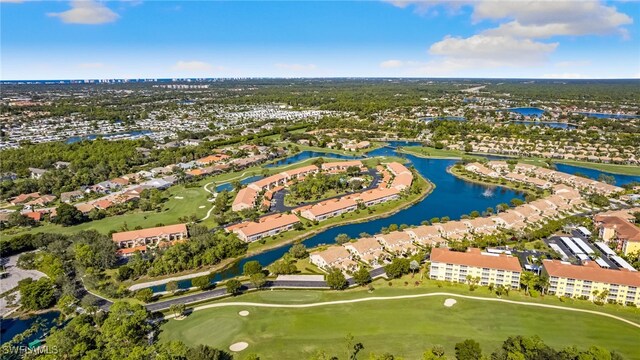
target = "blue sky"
x: 85, y: 39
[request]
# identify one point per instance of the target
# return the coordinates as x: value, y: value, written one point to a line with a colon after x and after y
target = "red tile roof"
x: 475, y: 258
x: 150, y: 232
x: 591, y: 272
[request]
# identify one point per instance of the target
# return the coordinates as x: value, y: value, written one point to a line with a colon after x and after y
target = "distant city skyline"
x: 88, y: 39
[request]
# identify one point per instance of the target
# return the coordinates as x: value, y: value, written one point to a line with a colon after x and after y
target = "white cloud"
x: 536, y: 19
x: 392, y: 64
x: 87, y: 12
x: 492, y: 51
x: 296, y: 67
x: 543, y: 19
x: 194, y: 66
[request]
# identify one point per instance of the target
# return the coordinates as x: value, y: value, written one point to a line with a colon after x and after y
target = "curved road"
x: 386, y: 298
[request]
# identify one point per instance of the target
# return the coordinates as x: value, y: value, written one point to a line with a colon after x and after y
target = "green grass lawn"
x: 404, y: 327
x: 612, y: 168
x: 441, y: 153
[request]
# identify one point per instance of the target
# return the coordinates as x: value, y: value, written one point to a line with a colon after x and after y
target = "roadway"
x: 273, y: 284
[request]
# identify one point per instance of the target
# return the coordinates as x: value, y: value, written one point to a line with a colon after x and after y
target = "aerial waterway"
x: 451, y: 197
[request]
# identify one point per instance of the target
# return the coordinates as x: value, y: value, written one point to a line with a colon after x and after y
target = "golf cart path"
x: 376, y: 298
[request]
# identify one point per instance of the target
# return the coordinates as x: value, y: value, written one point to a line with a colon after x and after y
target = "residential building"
x: 271, y: 225
x: 332, y: 257
x: 619, y: 230
x: 141, y: 240
x: 590, y: 280
x: 454, y: 266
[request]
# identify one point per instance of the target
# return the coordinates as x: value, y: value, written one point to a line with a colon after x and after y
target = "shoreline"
x: 230, y: 262
x: 618, y: 169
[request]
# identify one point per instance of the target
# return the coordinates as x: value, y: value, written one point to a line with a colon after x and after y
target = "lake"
x: 555, y: 125
x: 527, y: 111
x: 594, y: 174
x: 305, y: 155
x: 608, y: 116
x: 452, y: 197
x: 14, y: 326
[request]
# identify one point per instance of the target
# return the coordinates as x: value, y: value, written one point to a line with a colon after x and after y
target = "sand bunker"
x: 201, y: 207
x: 243, y: 313
x: 449, y: 302
x: 178, y: 197
x: 239, y: 346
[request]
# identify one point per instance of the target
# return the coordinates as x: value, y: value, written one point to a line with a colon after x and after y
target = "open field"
x: 404, y: 327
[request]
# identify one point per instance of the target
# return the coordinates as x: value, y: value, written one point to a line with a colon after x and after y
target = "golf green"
x: 403, y: 327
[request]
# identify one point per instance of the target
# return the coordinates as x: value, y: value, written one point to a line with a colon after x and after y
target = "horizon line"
x: 204, y: 79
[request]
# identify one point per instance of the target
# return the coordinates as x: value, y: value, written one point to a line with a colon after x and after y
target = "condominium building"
x: 497, y: 269
x: 590, y: 281
x: 140, y: 240
x: 266, y: 226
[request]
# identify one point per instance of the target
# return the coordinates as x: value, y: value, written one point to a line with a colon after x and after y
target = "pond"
x: 594, y: 174
x: 527, y: 111
x: 305, y: 155
x: 555, y: 125
x: 14, y: 326
x: 608, y: 116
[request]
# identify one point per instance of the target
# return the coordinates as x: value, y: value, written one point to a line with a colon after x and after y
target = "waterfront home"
x: 498, y: 165
x: 589, y: 280
x: 397, y: 242
x: 377, y: 196
x: 368, y: 250
x: 454, y: 266
x: 141, y: 240
x: 480, y: 225
x: 328, y: 209
x: 245, y: 199
x: 271, y: 225
x: 330, y: 258
x: 299, y: 173
x: 482, y: 170
x: 425, y: 235
x: 452, y: 229
x: 402, y: 176
x: 341, y: 165
x: 508, y: 220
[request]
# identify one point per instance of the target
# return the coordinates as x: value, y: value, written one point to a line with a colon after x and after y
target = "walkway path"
x: 386, y: 298
x: 213, y: 192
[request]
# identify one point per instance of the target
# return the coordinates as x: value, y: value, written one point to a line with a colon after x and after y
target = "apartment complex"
x: 590, y: 281
x: 266, y: 226
x: 454, y: 266
x: 140, y: 240
x: 618, y: 227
